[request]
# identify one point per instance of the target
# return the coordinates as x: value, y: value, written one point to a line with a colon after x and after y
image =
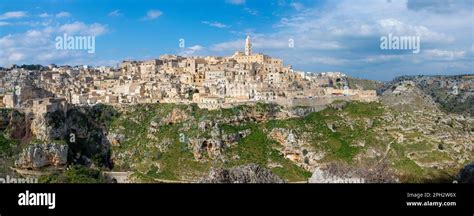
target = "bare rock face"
x: 466, y: 175
x: 405, y: 96
x: 49, y: 126
x: 40, y: 128
x: 293, y: 147
x: 175, y: 116
x: 321, y: 176
x: 250, y: 173
x: 199, y: 146
x: 305, y: 111
x: 336, y: 173
x: 338, y: 105
x: 115, y: 139
x: 235, y: 137
x: 42, y: 155
x: 214, y: 146
x: 205, y: 125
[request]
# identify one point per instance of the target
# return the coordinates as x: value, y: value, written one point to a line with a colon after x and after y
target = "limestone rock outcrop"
x: 175, y: 116
x: 49, y: 126
x: 321, y: 176
x: 115, y: 139
x: 41, y: 155
x: 214, y: 146
x: 293, y: 147
x: 250, y: 173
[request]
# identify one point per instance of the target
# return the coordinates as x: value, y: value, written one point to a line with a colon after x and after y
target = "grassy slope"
x: 177, y: 163
x: 141, y: 154
x: 8, y: 147
x: 355, y: 83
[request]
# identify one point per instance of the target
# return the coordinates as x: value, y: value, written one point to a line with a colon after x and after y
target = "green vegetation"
x: 177, y: 161
x: 75, y: 174
x: 257, y: 148
x: 152, y: 146
x: 6, y: 146
x: 338, y: 144
x: 104, y: 114
x: 143, y: 145
x: 409, y: 170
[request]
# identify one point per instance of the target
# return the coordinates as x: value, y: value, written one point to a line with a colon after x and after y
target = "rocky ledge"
x: 250, y: 173
x: 41, y: 155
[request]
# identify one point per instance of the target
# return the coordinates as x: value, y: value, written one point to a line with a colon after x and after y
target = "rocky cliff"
x: 453, y: 94
x: 251, y: 173
x: 169, y: 142
x: 42, y: 155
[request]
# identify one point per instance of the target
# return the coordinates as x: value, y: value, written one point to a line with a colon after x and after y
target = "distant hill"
x: 406, y: 96
x: 357, y: 83
x: 454, y: 94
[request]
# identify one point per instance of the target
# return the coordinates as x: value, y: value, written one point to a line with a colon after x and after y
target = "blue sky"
x: 332, y: 35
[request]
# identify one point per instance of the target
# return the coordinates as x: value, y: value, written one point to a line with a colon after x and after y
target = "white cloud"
x: 251, y: 11
x: 229, y: 46
x: 13, y: 15
x: 297, y: 6
x: 63, y: 14
x: 16, y: 56
x: 33, y: 33
x: 152, y: 14
x: 399, y: 28
x: 6, y: 41
x: 4, y: 23
x: 355, y: 29
x: 215, y: 24
x: 439, y: 6
x: 344, y: 35
x: 94, y: 29
x: 115, y: 13
x: 328, y: 61
x: 382, y: 58
x: 44, y: 15
x: 263, y: 43
x: 236, y: 2
x: 444, y: 54
x: 190, y: 51
x: 37, y: 46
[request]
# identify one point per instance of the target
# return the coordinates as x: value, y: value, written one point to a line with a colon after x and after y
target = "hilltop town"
x: 211, y: 82
x: 177, y: 119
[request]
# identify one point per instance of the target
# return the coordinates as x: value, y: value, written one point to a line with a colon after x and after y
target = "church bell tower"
x: 248, y: 46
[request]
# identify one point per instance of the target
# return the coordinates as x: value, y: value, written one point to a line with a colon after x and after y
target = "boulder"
x: 466, y: 175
